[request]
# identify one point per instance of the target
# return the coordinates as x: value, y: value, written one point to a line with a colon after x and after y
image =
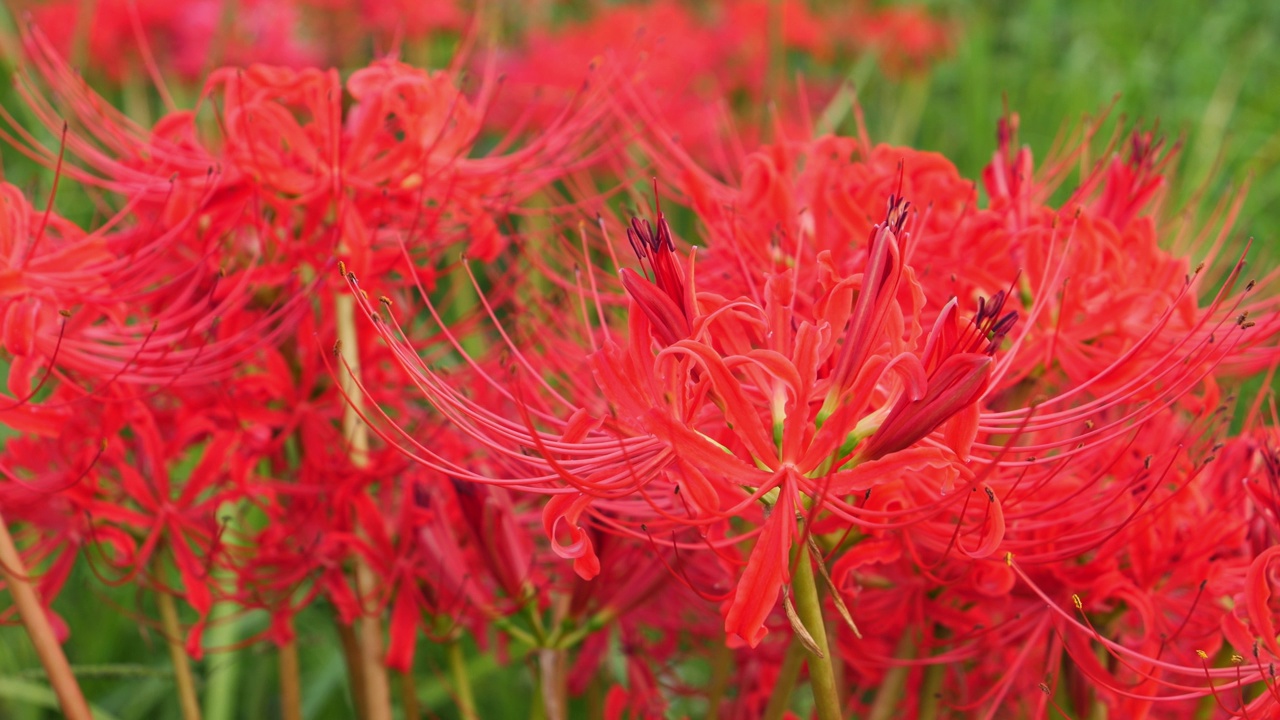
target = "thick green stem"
x: 809, y: 607
x: 36, y: 622
x: 461, y: 682
x: 788, y: 674
x: 290, y: 682
x: 187, y: 699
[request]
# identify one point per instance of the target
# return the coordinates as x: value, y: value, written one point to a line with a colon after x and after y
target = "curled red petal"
x: 565, y: 510
x: 766, y: 571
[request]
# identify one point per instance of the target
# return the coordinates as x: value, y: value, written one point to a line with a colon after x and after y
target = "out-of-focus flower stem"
x: 85, y: 10
x: 134, y: 94
x: 409, y: 696
x: 809, y: 607
x: 10, y: 46
x: 461, y: 681
x: 912, y: 99
x: 552, y: 656
x: 222, y: 35
x: 780, y: 698
x: 187, y: 699
x: 553, y: 679
x: 355, y: 669
x: 14, y: 574
x: 721, y: 670
x: 290, y: 683
x: 895, y: 679
x: 845, y: 102
x: 930, y: 692
x: 776, y: 77
x: 377, y: 688
x: 222, y: 684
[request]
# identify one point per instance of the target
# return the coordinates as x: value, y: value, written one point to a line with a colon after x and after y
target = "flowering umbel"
x: 724, y: 410
x: 779, y: 387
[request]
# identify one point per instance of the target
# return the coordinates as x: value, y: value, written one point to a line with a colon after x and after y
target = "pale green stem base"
x: 788, y: 674
x: 809, y: 607
x: 895, y: 680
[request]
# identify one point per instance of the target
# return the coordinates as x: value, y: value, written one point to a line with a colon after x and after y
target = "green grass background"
x: 1207, y: 71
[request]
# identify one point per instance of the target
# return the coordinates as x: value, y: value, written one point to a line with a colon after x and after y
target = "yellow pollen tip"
x: 1203, y: 655
x: 1075, y: 600
x: 342, y: 268
x: 1237, y: 659
x: 1008, y: 559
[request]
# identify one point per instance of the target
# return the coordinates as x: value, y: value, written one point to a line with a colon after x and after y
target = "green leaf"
x: 39, y: 694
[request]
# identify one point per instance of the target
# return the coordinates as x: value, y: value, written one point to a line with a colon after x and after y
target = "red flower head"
x: 752, y: 410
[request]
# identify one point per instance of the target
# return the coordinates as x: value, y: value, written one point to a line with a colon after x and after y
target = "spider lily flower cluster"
x: 828, y: 417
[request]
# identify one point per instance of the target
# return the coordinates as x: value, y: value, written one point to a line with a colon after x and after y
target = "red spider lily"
x: 321, y: 515
x: 990, y: 425
x: 300, y: 552
x: 906, y: 39
x: 126, y: 304
x: 1248, y: 477
x: 294, y: 174
x: 179, y: 514
x: 1145, y: 544
x: 739, y: 384
x: 48, y: 483
x: 814, y: 392
x: 1163, y: 560
x: 160, y: 304
x: 412, y: 21
x: 1120, y: 508
x: 800, y: 197
x: 123, y: 498
x: 796, y: 217
x: 701, y: 67
x: 654, y: 621
x: 403, y: 563
x: 122, y: 38
x: 489, y: 514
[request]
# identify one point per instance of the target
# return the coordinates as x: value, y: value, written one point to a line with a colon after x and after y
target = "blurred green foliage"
x: 1204, y: 71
